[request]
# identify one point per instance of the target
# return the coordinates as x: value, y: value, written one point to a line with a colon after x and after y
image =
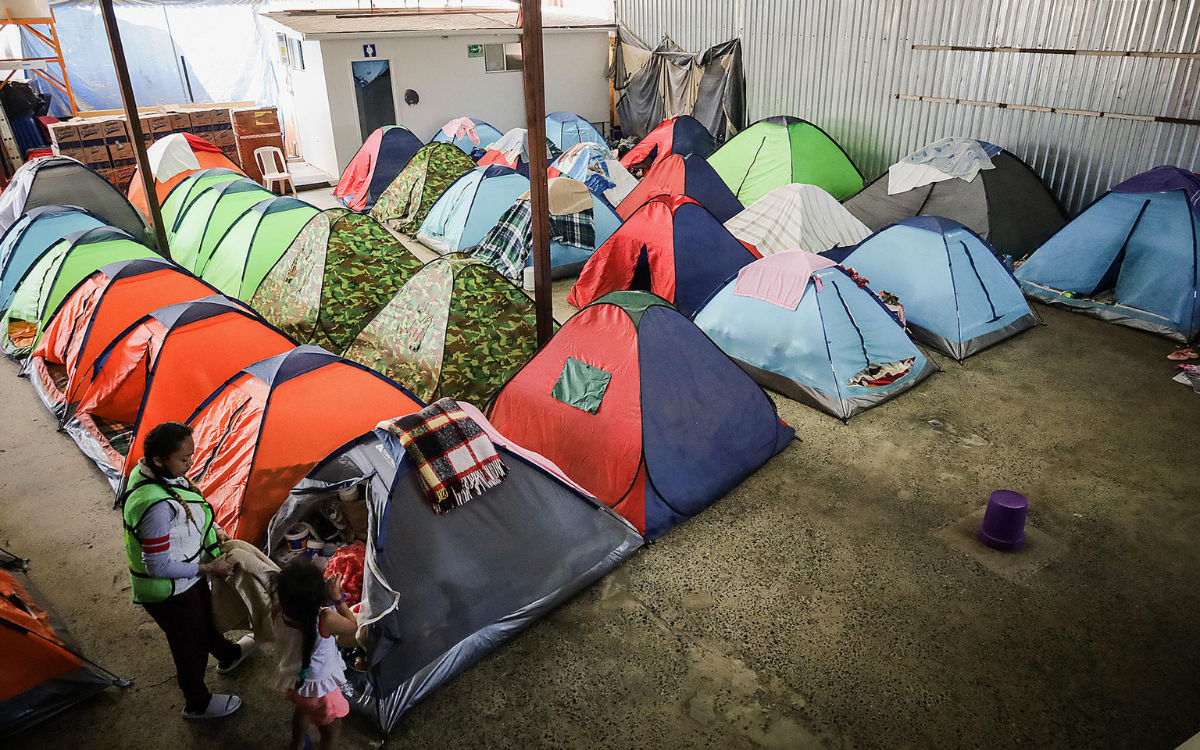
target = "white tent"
x: 797, y: 216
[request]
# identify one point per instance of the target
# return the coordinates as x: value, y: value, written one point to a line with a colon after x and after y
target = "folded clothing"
x: 455, y: 458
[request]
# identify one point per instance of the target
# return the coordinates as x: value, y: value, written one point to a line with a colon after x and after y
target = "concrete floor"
x: 833, y: 600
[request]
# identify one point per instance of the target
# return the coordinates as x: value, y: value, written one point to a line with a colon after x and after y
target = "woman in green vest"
x: 172, y: 544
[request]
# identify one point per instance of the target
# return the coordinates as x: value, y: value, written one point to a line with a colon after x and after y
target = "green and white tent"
x: 205, y: 220
x: 778, y: 151
x: 457, y: 329
x: 409, y: 197
x: 338, y: 272
x: 51, y: 279
x: 189, y: 189
x: 255, y: 243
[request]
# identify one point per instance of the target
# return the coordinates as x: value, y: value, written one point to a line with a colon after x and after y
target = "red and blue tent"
x: 673, y: 247
x: 376, y: 164
x: 684, y: 175
x: 683, y: 135
x: 636, y: 405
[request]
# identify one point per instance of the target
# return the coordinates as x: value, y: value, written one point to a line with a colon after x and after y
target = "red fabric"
x: 352, y: 187
x: 497, y: 157
x: 612, y: 266
x: 601, y: 452
x: 348, y: 563
x: 656, y: 145
x: 321, y: 711
x: 199, y: 144
x: 666, y: 178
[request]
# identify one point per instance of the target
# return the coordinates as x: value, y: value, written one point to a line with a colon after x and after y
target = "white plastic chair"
x: 276, y: 172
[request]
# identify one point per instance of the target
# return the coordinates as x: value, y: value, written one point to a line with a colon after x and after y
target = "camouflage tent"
x: 457, y: 329
x: 338, y: 272
x: 418, y: 186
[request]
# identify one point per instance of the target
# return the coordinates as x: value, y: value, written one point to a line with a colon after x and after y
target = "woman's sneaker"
x: 219, y: 706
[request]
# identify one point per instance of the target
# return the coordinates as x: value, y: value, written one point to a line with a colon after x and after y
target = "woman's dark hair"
x: 300, y: 591
x: 164, y: 440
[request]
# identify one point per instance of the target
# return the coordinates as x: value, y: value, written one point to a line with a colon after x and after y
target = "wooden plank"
x: 533, y: 76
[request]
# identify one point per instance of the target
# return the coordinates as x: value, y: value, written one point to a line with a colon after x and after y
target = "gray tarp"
x: 658, y: 84
x: 441, y: 591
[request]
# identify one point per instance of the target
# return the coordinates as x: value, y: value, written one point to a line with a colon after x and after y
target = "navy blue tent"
x: 1130, y: 258
x: 377, y: 163
x: 683, y: 135
x: 684, y: 175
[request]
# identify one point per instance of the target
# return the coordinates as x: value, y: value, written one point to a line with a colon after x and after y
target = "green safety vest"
x: 190, y: 541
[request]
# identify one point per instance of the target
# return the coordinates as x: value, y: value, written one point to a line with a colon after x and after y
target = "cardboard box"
x: 119, y: 151
x: 231, y: 153
x: 65, y: 134
x: 181, y: 122
x: 115, y: 129
x: 96, y: 156
x: 160, y: 125
x: 257, y: 121
x: 91, y: 132
x: 220, y: 119
x: 105, y: 172
x: 122, y: 176
x: 75, y: 152
x: 223, y: 138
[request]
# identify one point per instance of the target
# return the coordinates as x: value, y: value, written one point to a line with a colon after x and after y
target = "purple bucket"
x: 1003, y: 526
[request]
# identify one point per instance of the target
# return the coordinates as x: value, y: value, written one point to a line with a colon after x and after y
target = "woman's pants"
x: 187, y: 620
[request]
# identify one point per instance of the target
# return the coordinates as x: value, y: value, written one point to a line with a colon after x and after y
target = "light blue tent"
x: 31, y: 237
x: 470, y: 207
x: 486, y: 133
x: 957, y: 296
x: 800, y: 325
x: 1130, y: 258
x: 565, y: 129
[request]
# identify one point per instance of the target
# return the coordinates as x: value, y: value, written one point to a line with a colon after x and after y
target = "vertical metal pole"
x: 135, y: 124
x: 533, y: 75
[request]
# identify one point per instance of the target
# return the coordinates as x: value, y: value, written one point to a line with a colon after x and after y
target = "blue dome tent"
x: 802, y: 326
x: 957, y: 297
x: 1130, y: 258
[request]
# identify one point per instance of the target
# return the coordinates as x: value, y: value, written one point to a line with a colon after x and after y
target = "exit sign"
x: 474, y: 50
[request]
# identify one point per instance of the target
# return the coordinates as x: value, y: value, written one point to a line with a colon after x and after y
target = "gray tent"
x: 60, y: 180
x: 1007, y: 205
x: 442, y: 591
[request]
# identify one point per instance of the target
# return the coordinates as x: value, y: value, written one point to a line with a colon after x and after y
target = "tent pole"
x: 533, y: 78
x: 135, y: 124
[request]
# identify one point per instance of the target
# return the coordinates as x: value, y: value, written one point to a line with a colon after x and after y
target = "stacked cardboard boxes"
x: 105, y: 145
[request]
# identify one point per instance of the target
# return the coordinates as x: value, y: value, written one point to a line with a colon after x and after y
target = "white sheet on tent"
x: 797, y: 216
x: 12, y: 200
x: 947, y: 159
x: 171, y: 156
x: 609, y: 169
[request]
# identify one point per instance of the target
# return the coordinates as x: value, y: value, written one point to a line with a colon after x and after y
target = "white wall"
x: 310, y: 103
x: 452, y: 85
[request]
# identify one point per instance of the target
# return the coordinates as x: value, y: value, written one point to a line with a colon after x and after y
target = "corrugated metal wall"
x: 840, y: 64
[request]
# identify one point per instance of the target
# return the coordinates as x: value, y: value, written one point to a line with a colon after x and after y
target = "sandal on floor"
x: 247, y: 645
x: 1183, y: 355
x: 219, y: 706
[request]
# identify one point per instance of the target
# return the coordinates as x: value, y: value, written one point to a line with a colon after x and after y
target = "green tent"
x: 457, y: 328
x: 51, y: 279
x: 255, y: 242
x: 778, y: 151
x: 409, y: 197
x: 204, y: 221
x: 336, y: 274
x: 189, y: 188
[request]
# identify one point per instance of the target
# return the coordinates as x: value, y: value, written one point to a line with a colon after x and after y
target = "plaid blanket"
x: 506, y: 246
x: 455, y: 458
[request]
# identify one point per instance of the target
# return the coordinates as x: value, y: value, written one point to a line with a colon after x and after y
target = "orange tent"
x: 160, y: 369
x: 97, y: 311
x: 269, y: 425
x: 40, y: 674
x: 175, y: 165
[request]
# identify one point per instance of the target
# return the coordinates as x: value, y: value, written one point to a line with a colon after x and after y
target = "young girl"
x: 313, y: 614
